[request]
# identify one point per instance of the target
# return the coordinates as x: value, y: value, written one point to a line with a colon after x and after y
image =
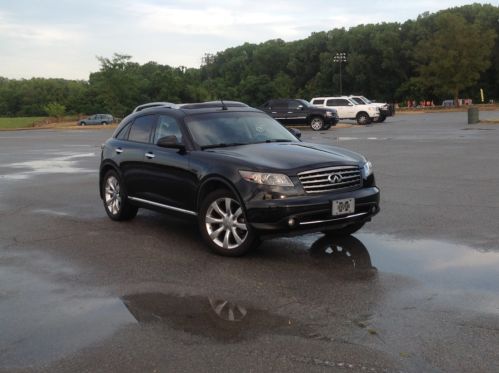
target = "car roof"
x: 212, y: 104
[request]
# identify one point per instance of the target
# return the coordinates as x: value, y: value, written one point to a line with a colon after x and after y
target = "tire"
x: 115, y: 199
x: 363, y: 118
x: 82, y: 123
x: 349, y: 229
x: 327, y: 126
x: 222, y: 223
x: 379, y: 119
x: 317, y: 123
x: 104, y: 123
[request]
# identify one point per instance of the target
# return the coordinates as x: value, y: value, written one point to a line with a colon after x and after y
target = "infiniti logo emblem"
x: 335, y: 178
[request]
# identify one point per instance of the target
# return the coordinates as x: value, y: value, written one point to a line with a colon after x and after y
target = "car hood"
x: 292, y: 157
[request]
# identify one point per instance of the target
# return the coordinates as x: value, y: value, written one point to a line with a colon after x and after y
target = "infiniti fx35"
x: 238, y: 172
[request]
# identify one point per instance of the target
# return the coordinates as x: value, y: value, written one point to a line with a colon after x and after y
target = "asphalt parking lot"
x: 417, y: 289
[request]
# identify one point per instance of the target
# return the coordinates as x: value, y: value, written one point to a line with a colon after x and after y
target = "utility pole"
x: 340, y: 57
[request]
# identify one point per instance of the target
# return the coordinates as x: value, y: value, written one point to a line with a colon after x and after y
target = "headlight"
x: 266, y: 178
x: 367, y: 169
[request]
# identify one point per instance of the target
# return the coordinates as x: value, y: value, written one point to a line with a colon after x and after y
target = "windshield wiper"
x: 222, y: 145
x: 278, y: 140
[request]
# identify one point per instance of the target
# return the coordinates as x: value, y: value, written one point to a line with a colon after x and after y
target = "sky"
x: 61, y: 38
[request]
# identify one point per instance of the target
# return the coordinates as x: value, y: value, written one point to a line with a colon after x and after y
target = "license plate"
x: 343, y: 206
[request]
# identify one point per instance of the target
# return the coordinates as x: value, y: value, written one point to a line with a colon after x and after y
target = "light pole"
x: 340, y: 57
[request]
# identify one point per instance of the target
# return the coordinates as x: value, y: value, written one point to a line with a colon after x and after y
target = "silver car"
x: 97, y: 119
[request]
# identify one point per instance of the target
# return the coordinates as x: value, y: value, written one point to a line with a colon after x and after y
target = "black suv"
x: 240, y: 173
x: 298, y: 111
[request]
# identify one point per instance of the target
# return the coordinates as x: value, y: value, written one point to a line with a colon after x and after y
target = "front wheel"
x: 349, y: 229
x: 82, y: 123
x: 223, y: 225
x: 116, y: 203
x: 104, y: 123
x: 363, y: 118
x: 317, y: 123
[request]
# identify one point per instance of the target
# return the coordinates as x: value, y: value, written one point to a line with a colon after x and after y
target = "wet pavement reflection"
x: 41, y: 318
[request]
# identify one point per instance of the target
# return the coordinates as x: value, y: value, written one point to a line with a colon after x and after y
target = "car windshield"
x: 235, y: 128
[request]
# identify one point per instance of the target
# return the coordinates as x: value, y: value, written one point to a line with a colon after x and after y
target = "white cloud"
x: 40, y: 33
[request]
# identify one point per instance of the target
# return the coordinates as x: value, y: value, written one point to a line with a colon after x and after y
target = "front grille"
x: 331, y: 178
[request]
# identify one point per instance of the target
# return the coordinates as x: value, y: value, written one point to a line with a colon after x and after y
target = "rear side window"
x: 123, y: 134
x: 141, y: 128
x: 318, y: 102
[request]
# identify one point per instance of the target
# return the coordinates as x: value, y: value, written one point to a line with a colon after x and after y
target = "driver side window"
x: 167, y: 126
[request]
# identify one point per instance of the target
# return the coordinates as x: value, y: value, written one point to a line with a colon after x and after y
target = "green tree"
x: 54, y: 109
x: 454, y: 55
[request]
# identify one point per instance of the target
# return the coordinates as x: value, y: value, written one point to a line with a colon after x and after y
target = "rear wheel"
x: 104, y: 123
x: 82, y: 123
x: 223, y: 225
x: 317, y: 123
x: 363, y: 118
x: 349, y: 229
x: 116, y: 203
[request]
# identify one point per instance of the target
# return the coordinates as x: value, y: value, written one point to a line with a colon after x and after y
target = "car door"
x: 168, y: 180
x: 132, y: 154
x: 279, y: 110
x: 296, y: 113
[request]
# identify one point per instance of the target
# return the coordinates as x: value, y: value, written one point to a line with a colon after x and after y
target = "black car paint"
x: 280, y: 111
x: 177, y: 178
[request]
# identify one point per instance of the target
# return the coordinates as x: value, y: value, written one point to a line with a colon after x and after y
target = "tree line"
x: 449, y: 54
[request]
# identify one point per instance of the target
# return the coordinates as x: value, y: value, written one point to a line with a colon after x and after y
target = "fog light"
x: 291, y: 222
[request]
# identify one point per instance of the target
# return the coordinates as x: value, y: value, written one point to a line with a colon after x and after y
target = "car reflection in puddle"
x: 217, y: 319
x: 348, y: 255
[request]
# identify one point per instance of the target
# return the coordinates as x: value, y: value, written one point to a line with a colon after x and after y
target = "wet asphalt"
x: 416, y: 290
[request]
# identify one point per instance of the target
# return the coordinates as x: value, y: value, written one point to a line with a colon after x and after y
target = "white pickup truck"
x: 385, y: 110
x: 347, y: 108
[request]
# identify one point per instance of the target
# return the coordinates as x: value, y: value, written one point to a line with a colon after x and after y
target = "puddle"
x: 65, y: 164
x: 456, y: 274
x: 212, y: 318
x: 42, y: 320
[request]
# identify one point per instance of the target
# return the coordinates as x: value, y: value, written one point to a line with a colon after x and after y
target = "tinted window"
x: 279, y: 104
x: 123, y: 134
x: 167, y: 126
x: 141, y: 128
x: 293, y: 105
x: 358, y: 100
x: 337, y: 102
x: 318, y: 102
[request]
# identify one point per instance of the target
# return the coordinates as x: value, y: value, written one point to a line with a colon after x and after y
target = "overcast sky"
x: 61, y: 38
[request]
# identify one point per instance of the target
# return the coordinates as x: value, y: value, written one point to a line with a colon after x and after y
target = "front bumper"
x: 310, y: 212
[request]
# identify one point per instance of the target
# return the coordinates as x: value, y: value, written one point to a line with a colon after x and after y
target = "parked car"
x: 298, y: 111
x: 238, y: 172
x: 348, y: 108
x: 97, y: 119
x: 385, y: 110
x: 154, y: 104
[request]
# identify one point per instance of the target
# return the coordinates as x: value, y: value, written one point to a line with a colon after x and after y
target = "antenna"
x: 224, y: 107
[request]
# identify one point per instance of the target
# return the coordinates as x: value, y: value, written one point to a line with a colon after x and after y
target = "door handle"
x: 290, y: 112
x: 119, y: 150
x: 274, y: 112
x: 150, y: 155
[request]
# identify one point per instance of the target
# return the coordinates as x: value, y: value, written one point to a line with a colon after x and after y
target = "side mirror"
x: 350, y: 104
x: 171, y: 142
x: 300, y: 107
x: 295, y: 132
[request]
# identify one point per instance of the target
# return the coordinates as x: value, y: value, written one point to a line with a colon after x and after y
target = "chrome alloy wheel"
x: 225, y: 223
x: 316, y: 124
x: 112, y: 195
